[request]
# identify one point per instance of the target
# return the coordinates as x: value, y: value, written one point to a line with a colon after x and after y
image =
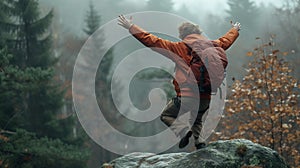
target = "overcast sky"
x: 216, y: 6
x: 72, y: 12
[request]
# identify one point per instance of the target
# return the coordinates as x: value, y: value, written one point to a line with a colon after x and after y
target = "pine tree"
x: 19, y: 148
x: 23, y: 149
x: 247, y: 13
x: 4, y: 10
x: 264, y: 106
x: 15, y: 83
x: 244, y: 10
x: 288, y: 17
x: 92, y: 20
x: 102, y: 79
x: 29, y: 100
x: 29, y: 42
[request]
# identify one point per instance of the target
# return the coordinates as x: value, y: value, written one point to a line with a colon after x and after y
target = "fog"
x: 71, y: 13
x: 213, y: 16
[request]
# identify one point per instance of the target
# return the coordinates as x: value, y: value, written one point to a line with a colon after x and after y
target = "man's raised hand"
x: 122, y: 21
x: 236, y: 25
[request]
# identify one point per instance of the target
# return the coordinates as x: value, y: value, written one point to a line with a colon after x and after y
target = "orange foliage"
x: 4, y: 138
x: 264, y: 105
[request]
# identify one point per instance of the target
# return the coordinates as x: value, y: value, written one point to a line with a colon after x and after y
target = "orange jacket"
x: 178, y: 52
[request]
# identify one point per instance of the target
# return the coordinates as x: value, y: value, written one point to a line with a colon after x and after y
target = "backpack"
x: 208, y: 65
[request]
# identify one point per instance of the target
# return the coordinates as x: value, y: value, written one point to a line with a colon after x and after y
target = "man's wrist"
x: 130, y: 26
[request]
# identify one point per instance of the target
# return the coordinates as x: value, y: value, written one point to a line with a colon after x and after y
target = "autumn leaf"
x: 285, y: 53
x: 249, y: 54
x: 275, y: 51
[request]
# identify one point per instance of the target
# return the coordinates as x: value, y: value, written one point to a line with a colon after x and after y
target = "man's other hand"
x: 236, y: 25
x: 122, y: 21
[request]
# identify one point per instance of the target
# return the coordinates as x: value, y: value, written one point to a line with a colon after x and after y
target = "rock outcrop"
x: 221, y: 154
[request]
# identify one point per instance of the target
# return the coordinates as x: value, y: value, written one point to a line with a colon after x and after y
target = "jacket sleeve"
x: 228, y: 39
x: 164, y: 47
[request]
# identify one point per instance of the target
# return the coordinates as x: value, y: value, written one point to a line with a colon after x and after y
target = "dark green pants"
x: 180, y: 106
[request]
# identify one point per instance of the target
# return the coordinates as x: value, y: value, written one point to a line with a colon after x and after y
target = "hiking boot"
x: 200, y: 145
x: 185, y: 140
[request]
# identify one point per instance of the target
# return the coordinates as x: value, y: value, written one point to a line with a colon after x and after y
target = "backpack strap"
x: 202, y: 79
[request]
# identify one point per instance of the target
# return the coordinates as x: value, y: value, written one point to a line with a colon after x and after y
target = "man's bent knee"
x: 167, y: 120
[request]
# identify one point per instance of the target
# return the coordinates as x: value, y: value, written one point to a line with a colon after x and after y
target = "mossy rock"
x: 237, y: 153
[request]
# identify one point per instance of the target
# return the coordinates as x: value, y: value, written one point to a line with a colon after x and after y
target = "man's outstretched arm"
x: 228, y: 39
x: 162, y: 46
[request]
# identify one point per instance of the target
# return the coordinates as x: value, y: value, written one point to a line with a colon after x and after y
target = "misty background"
x: 71, y: 13
x: 261, y: 19
x: 272, y: 23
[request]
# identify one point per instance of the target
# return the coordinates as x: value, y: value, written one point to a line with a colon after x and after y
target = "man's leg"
x: 196, y: 129
x: 170, y: 112
x: 170, y: 115
x: 197, y: 126
x: 192, y: 105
